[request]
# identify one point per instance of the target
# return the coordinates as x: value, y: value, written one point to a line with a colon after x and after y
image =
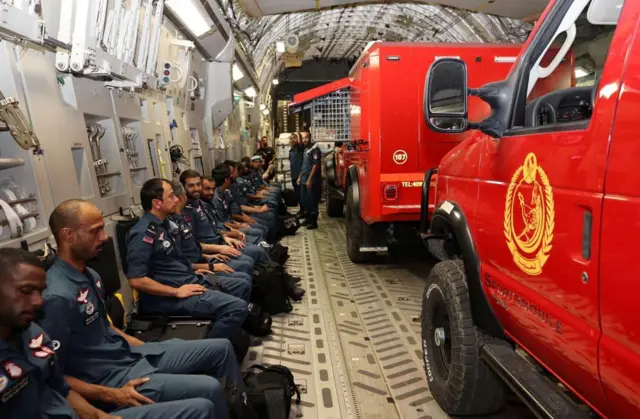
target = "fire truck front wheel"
x: 355, y: 228
x: 459, y: 380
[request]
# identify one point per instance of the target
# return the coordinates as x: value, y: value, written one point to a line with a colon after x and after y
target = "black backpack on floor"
x: 258, y: 321
x: 237, y: 402
x: 279, y: 254
x: 269, y: 289
x: 288, y: 225
x: 269, y: 392
x: 290, y: 197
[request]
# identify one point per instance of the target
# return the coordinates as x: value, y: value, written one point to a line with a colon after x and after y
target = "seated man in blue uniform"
x: 255, y: 191
x: 102, y: 363
x: 32, y: 385
x: 163, y: 275
x: 222, y: 211
x: 225, y: 276
x: 206, y: 229
x: 206, y: 196
x: 261, y: 214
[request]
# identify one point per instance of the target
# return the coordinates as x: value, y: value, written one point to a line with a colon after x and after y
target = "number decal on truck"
x: 400, y: 157
x: 529, y: 217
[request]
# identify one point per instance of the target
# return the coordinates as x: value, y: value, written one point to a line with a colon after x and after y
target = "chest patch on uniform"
x: 187, y: 233
x: 90, y: 308
x: 91, y: 317
x: 55, y: 344
x: 147, y: 239
x: 83, y: 296
x: 187, y: 218
x: 166, y: 244
x: 99, y: 284
x: 13, y: 370
x: 36, y: 342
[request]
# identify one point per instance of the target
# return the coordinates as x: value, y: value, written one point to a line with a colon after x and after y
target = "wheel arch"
x: 449, y: 218
x: 353, y: 179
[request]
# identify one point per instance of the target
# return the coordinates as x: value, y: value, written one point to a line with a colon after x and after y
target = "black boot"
x: 312, y: 222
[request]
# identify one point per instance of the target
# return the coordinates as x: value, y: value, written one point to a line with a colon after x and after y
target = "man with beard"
x: 205, y: 228
x: 163, y: 275
x: 104, y: 364
x: 245, y: 212
x: 222, y: 215
x: 265, y: 152
x: 235, y: 283
x: 32, y: 385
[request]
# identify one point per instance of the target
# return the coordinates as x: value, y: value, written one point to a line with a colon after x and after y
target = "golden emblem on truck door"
x: 529, y: 216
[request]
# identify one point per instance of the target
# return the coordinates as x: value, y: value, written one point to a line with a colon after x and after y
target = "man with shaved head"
x: 103, y: 364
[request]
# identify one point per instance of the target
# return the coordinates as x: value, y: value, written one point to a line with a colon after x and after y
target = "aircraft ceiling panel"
x: 506, y: 8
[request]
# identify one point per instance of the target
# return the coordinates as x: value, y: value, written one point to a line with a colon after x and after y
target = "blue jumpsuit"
x: 223, y: 204
x: 219, y: 219
x: 237, y: 284
x: 311, y: 196
x: 32, y: 385
x: 207, y: 230
x: 240, y: 190
x: 89, y: 349
x: 296, y: 154
x: 152, y: 252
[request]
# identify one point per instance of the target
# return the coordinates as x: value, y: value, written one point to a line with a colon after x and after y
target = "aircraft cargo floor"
x: 353, y: 343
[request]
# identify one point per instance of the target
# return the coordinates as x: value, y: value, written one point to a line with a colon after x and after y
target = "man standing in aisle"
x: 265, y: 151
x: 310, y: 180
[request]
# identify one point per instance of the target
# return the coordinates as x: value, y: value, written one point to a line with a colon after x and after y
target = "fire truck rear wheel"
x: 459, y: 380
x: 355, y: 226
x: 335, y: 207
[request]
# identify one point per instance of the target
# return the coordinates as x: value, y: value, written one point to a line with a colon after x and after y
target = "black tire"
x: 459, y: 380
x: 437, y: 250
x: 335, y: 207
x: 355, y: 225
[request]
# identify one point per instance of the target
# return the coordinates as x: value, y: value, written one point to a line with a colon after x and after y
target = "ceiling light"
x: 581, y: 72
x: 250, y: 91
x: 192, y: 15
x: 263, y: 107
x: 276, y: 82
x: 237, y: 72
x: 265, y: 112
x: 280, y: 46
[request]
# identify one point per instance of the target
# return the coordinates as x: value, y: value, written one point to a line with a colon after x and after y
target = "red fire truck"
x: 383, y: 144
x: 540, y: 206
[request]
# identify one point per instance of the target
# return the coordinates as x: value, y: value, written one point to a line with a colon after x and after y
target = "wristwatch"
x: 211, y: 268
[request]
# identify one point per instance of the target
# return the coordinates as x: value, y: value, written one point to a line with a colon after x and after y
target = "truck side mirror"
x: 445, y: 96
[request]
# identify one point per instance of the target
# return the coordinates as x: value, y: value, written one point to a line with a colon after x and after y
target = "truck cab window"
x: 568, y: 95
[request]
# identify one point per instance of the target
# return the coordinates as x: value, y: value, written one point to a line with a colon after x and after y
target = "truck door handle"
x: 587, y: 227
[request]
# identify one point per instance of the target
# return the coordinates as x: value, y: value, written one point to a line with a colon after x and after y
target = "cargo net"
x: 330, y: 117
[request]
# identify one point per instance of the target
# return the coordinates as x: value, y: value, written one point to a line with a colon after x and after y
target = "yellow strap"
x: 119, y: 297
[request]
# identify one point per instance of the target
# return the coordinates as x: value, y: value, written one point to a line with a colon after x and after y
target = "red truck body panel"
x: 577, y: 316
x: 387, y: 86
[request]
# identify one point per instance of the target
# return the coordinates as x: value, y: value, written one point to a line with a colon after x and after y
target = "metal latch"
x: 19, y: 128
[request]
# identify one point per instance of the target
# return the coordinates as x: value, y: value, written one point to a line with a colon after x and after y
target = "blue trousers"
x: 177, y: 409
x: 269, y: 220
x: 311, y: 197
x: 255, y: 232
x: 256, y: 252
x: 242, y: 263
x: 227, y: 312
x: 237, y: 284
x: 176, y: 368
